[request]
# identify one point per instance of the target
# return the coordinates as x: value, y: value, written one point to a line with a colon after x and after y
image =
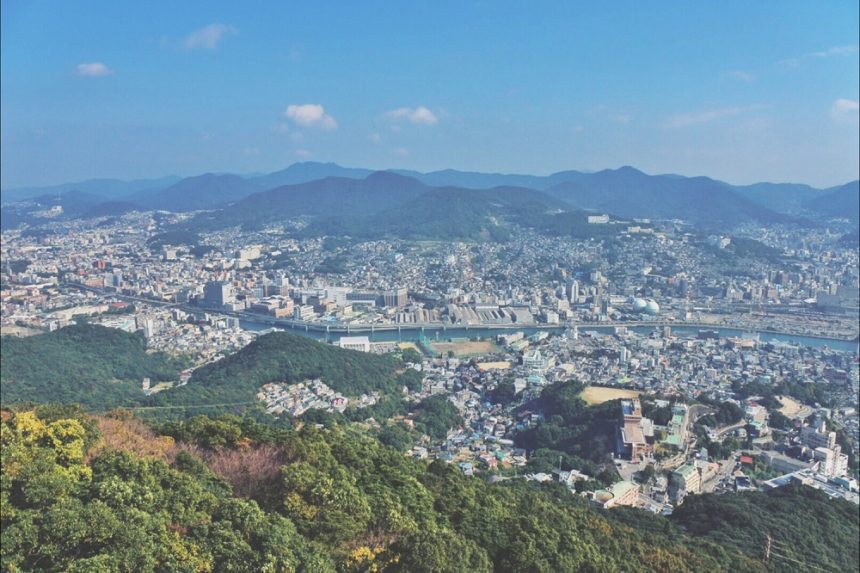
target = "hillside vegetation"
x: 226, y: 494
x: 289, y: 358
x: 89, y: 364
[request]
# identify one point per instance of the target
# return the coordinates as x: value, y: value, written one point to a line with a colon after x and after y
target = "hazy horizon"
x: 396, y: 169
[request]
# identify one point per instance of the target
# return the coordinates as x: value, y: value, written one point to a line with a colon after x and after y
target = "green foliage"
x: 201, y: 251
x: 808, y: 393
x: 18, y: 265
x: 779, y: 421
x: 173, y: 238
x: 440, y: 552
x: 283, y: 357
x: 660, y: 415
x: 396, y: 435
x: 728, y: 413
x: 411, y: 379
x: 89, y: 364
x: 411, y: 355
x: 344, y: 502
x: 469, y: 214
x: 504, y: 393
x: 750, y: 248
x: 825, y: 537
x: 572, y: 427
x: 333, y: 265
x: 436, y: 415
x: 123, y: 513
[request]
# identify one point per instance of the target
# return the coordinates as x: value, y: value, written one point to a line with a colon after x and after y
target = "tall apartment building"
x: 817, y: 436
x: 396, y: 297
x: 218, y: 293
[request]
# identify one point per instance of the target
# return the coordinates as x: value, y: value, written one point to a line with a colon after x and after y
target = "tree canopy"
x: 89, y: 364
x: 78, y: 494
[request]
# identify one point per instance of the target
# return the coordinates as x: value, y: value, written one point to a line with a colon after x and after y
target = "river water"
x: 412, y: 334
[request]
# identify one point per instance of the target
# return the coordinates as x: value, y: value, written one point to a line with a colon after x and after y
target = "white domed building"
x: 639, y: 305
x: 652, y: 308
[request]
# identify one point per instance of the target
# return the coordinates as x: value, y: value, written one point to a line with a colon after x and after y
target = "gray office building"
x: 218, y: 293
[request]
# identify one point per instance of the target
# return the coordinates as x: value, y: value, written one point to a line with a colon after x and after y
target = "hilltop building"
x: 359, y: 343
x: 636, y: 433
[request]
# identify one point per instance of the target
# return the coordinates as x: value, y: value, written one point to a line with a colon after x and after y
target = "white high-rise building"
x: 574, y: 291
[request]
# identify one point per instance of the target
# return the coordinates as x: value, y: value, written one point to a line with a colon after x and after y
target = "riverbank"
x: 445, y: 333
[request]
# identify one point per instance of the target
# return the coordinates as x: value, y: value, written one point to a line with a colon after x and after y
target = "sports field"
x: 598, y: 395
x: 791, y: 408
x: 463, y: 348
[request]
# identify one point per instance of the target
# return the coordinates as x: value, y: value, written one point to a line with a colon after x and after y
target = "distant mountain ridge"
x: 329, y: 197
x: 315, y: 191
x: 446, y: 212
x: 631, y: 193
x: 842, y: 201
x: 205, y: 191
x: 108, y: 188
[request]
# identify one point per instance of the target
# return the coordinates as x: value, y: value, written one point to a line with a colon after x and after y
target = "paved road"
x: 725, y: 471
x: 721, y: 431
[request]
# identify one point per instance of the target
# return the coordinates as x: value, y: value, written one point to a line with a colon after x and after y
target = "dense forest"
x: 89, y: 364
x: 108, y: 493
x: 821, y: 537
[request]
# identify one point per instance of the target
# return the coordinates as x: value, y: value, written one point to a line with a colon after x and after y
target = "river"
x: 413, y: 334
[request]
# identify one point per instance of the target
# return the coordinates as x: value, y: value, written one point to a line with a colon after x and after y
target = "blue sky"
x: 740, y: 91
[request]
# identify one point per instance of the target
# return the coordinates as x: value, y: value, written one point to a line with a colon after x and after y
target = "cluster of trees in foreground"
x: 109, y: 493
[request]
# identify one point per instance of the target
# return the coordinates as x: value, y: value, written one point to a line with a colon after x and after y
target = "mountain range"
x: 326, y: 192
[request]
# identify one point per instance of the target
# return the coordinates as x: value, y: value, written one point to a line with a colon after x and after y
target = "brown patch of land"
x: 463, y: 348
x: 598, y: 395
x: 494, y: 365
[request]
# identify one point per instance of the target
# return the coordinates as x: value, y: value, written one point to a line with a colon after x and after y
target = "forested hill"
x: 103, y: 368
x: 227, y: 494
x: 93, y: 365
x: 823, y: 535
x: 283, y: 357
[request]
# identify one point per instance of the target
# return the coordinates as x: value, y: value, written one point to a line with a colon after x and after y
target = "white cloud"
x: 835, y: 51
x: 740, y: 75
x: 93, y: 70
x: 208, y: 37
x: 845, y: 110
x: 419, y: 115
x: 310, y: 115
x: 686, y: 119
x: 303, y: 153
x: 400, y: 152
x: 375, y: 138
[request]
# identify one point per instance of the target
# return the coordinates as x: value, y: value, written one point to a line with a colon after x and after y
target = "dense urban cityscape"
x: 448, y: 287
x: 664, y: 321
